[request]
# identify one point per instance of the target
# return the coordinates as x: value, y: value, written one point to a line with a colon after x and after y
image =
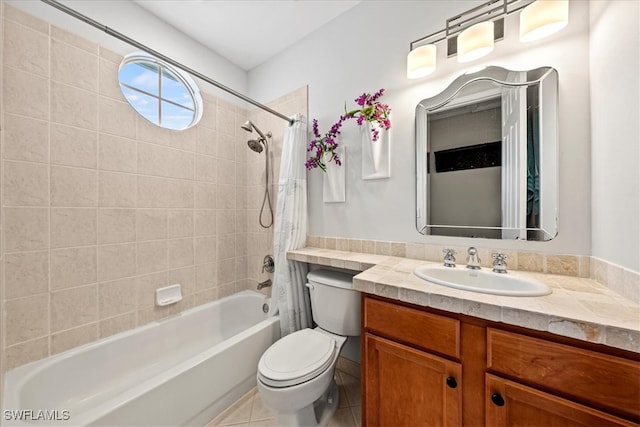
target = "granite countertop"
x: 578, y: 308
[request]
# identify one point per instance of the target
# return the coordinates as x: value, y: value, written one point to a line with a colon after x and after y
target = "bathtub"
x: 183, y: 370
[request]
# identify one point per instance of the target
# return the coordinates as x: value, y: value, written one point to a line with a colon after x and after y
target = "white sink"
x: 484, y: 281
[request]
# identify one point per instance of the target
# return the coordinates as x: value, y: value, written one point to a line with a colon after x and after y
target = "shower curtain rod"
x: 122, y: 37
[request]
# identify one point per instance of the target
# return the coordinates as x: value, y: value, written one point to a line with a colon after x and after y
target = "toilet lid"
x: 296, y: 358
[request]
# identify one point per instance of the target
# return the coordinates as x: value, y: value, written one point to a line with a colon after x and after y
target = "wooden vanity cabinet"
x: 424, y: 367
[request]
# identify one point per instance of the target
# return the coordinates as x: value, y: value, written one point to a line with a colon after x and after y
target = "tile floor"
x: 249, y: 411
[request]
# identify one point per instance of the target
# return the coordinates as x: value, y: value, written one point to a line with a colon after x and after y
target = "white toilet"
x: 295, y: 374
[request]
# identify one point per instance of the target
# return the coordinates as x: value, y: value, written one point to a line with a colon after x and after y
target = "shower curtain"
x: 290, y: 231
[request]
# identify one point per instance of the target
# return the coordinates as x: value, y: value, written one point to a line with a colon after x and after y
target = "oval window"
x: 163, y: 95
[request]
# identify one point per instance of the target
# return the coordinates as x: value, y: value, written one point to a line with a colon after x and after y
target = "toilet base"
x: 317, y: 414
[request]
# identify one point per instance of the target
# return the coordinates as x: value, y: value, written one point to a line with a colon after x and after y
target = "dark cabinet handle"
x: 497, y: 399
x: 451, y: 382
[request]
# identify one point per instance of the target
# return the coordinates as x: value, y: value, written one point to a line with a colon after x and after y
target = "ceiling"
x: 247, y: 32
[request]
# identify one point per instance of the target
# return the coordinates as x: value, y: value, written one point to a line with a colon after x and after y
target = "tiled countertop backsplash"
x: 579, y: 307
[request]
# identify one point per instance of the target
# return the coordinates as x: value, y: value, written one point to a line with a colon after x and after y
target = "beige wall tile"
x: 117, y: 154
x: 116, y: 225
x: 205, y: 195
x: 26, y: 139
x: 226, y: 197
x: 71, y: 187
x: 117, y: 118
x: 66, y: 340
x: 26, y: 274
x: 206, y: 276
x: 73, y: 267
x: 208, y: 119
x: 162, y: 161
x: 181, y: 253
x: 26, y: 49
x: 108, y: 82
x: 110, y: 55
x: 206, y: 141
x: 73, y: 227
x: 226, y: 271
x: 117, y: 190
x: 153, y: 314
x: 117, y: 297
x: 58, y: 33
x: 180, y: 223
x: 73, y: 146
x: 530, y: 261
x: 205, y: 221
x: 225, y: 119
x: 562, y: 264
x: 152, y: 256
x: 226, y: 246
x: 116, y: 261
x: 152, y: 192
x: 149, y: 132
x: 74, y: 107
x: 151, y: 224
x: 179, y: 193
x: 146, y: 288
x: 17, y: 15
x: 26, y: 229
x: 226, y: 172
x: 25, y: 94
x: 206, y: 296
x: 26, y: 352
x: 26, y: 184
x: 227, y: 145
x: 27, y: 318
x: 74, y: 307
x: 226, y: 221
x: 206, y: 168
x: 185, y: 139
x: 185, y: 277
x: 205, y: 249
x: 114, y: 325
x: 74, y: 66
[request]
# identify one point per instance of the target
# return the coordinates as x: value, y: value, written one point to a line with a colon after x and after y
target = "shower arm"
x: 113, y: 33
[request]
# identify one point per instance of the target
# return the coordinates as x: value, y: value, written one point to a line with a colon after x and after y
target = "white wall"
x: 365, y: 49
x: 130, y: 19
x: 615, y: 127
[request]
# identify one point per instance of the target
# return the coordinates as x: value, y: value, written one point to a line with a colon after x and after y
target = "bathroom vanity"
x: 429, y: 367
x: 432, y: 355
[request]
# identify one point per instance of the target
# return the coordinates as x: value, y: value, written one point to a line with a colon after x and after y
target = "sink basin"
x: 484, y: 281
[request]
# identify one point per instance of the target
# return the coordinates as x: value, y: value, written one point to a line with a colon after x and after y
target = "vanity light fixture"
x: 421, y: 61
x: 543, y: 18
x: 472, y: 34
x: 475, y: 42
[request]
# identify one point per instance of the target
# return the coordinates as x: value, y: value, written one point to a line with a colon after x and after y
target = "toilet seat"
x: 296, y: 358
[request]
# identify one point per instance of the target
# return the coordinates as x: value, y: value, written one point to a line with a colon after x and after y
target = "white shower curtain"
x: 290, y: 231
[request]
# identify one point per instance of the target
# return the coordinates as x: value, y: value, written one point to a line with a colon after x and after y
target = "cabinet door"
x: 512, y: 404
x: 407, y: 387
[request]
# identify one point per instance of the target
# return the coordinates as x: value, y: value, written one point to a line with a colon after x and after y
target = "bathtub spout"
x: 264, y: 284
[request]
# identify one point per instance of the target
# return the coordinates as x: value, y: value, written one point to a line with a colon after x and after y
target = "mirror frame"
x: 547, y: 79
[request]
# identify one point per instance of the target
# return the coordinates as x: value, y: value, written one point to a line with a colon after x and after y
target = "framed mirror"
x: 487, y: 156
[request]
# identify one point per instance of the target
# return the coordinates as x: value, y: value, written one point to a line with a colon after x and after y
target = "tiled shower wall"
x: 100, y: 207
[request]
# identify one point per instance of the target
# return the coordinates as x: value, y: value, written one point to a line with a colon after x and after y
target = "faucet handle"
x: 449, y: 257
x: 499, y: 262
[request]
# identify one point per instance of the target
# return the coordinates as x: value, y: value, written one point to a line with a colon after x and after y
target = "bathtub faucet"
x: 264, y: 284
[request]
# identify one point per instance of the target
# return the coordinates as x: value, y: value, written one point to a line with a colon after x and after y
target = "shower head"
x: 255, y: 145
x: 248, y: 126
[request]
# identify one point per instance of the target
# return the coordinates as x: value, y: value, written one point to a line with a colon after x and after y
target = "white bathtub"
x: 183, y: 370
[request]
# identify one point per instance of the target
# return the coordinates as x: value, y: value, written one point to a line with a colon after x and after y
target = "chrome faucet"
x: 499, y: 262
x: 473, y: 260
x: 264, y: 284
x: 449, y: 257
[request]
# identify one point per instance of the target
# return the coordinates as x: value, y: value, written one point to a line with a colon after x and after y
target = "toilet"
x: 295, y: 374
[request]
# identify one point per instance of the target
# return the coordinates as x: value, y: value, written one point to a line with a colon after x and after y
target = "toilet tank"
x: 335, y: 305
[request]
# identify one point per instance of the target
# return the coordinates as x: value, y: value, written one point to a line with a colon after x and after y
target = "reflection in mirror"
x: 486, y: 156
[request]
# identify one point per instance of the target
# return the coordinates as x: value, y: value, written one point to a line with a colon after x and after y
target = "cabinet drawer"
x: 605, y: 381
x: 429, y: 331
